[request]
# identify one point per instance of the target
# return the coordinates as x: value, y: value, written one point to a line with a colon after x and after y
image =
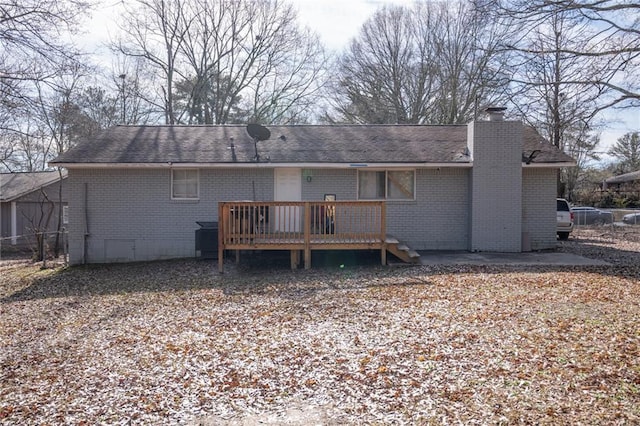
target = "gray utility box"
x: 207, y: 240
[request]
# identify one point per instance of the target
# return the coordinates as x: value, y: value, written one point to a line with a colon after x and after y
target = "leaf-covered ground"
x: 177, y: 343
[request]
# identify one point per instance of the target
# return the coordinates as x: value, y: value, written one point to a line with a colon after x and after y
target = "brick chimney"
x: 496, y: 113
x: 496, y: 183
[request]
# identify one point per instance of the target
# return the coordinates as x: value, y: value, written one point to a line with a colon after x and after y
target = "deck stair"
x: 401, y: 250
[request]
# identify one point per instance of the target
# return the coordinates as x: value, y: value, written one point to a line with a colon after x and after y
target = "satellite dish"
x: 258, y: 132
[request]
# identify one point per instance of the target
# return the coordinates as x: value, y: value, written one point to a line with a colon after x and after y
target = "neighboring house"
x: 137, y: 191
x: 29, y: 203
x: 626, y: 187
x: 627, y: 181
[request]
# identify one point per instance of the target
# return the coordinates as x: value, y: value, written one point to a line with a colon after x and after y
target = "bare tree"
x: 542, y: 86
x: 32, y: 49
x: 55, y: 106
x: 95, y: 110
x: 260, y: 65
x: 24, y: 150
x: 581, y: 144
x: 385, y: 76
x: 226, y: 60
x: 471, y: 65
x: 431, y: 63
x: 544, y: 95
x: 611, y: 36
x: 57, y: 109
x: 155, y: 30
x: 135, y: 81
x: 289, y: 78
x: 31, y: 29
x: 38, y: 221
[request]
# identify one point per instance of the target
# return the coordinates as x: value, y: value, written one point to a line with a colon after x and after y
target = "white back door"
x: 288, y: 187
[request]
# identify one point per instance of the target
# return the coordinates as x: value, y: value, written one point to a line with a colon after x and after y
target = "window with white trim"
x: 185, y: 184
x: 386, y: 184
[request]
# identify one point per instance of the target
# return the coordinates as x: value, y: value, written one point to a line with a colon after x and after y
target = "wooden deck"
x: 301, y: 226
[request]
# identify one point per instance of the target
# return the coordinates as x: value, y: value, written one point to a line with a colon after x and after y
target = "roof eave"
x: 304, y: 165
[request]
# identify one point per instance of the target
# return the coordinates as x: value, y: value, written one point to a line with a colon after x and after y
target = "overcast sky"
x: 337, y: 22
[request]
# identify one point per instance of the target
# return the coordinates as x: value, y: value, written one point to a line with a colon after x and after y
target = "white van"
x: 564, y: 219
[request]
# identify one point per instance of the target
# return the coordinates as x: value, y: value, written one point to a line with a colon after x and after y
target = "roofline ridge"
x: 295, y: 125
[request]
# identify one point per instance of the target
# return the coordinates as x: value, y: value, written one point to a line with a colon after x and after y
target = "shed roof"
x: 19, y: 184
x: 288, y: 144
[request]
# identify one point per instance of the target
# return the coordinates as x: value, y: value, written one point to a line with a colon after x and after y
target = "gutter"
x: 355, y: 165
x: 169, y: 165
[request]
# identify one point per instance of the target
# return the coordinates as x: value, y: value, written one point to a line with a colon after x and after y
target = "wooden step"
x: 403, y: 252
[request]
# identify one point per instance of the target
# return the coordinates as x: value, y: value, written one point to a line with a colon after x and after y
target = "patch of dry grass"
x: 176, y: 343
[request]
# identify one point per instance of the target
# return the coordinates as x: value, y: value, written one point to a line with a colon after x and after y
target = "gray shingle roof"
x: 16, y: 185
x: 288, y: 144
x: 627, y: 177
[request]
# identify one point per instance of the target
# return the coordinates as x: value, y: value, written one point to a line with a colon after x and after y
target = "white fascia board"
x: 548, y: 165
x: 261, y: 165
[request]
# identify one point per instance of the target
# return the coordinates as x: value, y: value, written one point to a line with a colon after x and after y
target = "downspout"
x: 14, y: 223
x: 59, y: 224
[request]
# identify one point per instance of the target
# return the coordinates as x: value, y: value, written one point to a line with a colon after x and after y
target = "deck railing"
x: 300, y: 226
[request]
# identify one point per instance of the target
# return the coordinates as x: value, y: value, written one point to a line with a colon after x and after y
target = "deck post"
x: 307, y: 235
x: 383, y: 232
x: 295, y: 259
x: 221, y: 231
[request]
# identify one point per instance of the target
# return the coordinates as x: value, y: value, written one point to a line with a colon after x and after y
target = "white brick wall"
x: 131, y: 215
x: 539, y: 207
x: 437, y: 220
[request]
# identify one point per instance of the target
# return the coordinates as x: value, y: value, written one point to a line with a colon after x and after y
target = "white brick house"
x: 136, y: 192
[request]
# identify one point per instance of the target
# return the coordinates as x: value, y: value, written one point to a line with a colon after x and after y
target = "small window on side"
x: 185, y: 184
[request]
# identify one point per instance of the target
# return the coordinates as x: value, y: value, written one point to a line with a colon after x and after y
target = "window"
x: 386, y: 185
x: 184, y: 184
